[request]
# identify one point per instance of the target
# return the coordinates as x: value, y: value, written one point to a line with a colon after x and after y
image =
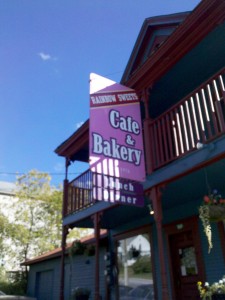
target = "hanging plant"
x: 212, y: 210
x: 77, y: 248
x: 80, y: 293
x: 212, y: 291
x: 204, y: 216
x: 90, y: 250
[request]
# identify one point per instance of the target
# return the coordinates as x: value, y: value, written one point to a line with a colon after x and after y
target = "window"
x: 135, y: 267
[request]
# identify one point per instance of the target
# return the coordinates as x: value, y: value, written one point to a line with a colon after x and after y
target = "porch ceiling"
x: 191, y: 187
x: 112, y: 216
x: 195, y: 185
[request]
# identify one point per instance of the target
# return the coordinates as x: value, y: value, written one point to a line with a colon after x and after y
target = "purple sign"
x: 114, y: 190
x: 116, y: 142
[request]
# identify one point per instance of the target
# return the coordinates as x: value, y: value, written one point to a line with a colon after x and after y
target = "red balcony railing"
x: 91, y: 187
x: 199, y: 118
x: 79, y: 193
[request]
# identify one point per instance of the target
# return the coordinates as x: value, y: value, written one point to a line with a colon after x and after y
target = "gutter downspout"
x: 64, y: 230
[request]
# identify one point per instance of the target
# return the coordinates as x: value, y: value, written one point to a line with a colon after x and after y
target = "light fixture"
x: 199, y: 145
x: 151, y: 211
x: 180, y: 226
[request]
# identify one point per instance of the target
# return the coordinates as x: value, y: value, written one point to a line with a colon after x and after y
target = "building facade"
x: 44, y: 271
x: 177, y: 67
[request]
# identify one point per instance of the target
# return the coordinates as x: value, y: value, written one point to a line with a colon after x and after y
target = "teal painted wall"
x: 191, y: 71
x: 213, y: 262
x: 52, y: 266
x: 79, y: 272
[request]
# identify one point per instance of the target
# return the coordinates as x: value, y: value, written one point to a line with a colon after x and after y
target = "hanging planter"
x: 212, y: 210
x: 90, y: 250
x: 80, y: 293
x: 77, y: 248
x: 217, y: 212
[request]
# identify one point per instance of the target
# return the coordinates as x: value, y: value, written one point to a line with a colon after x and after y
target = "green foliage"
x: 78, y: 233
x: 6, y: 230
x: 34, y: 224
x: 16, y: 284
x: 33, y: 185
x: 37, y: 216
x: 90, y: 250
x: 209, y: 291
x: 142, y: 265
x: 80, y: 293
x: 77, y: 248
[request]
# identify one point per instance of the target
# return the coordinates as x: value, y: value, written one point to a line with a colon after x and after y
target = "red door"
x: 185, y: 265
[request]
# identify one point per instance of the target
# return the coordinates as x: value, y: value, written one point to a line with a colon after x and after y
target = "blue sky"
x: 48, y: 49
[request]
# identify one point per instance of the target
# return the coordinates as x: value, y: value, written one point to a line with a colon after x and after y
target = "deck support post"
x: 96, y: 219
x: 155, y: 196
x: 62, y: 277
x: 64, y: 230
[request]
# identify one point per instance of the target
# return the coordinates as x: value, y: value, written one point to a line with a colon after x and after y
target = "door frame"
x: 182, y: 226
x: 221, y: 230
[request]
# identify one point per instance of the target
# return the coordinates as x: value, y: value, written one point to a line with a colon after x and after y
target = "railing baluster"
x: 159, y: 133
x: 155, y: 143
x: 213, y: 115
x: 206, y: 114
x: 200, y: 119
x: 153, y: 147
x: 221, y: 83
x: 218, y: 107
x: 80, y: 192
x: 175, y: 135
x: 195, y: 123
x: 165, y: 138
x: 179, y: 132
x: 189, y: 124
x: 185, y: 134
x: 216, y: 90
x: 169, y: 136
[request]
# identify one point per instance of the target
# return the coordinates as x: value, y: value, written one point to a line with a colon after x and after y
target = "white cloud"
x: 45, y: 56
x: 79, y: 124
x: 59, y: 167
x: 7, y: 186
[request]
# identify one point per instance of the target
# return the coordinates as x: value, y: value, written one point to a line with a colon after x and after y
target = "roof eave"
x: 77, y: 139
x: 147, y: 25
x: 204, y: 18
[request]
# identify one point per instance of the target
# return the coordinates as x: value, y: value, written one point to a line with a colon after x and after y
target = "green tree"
x: 34, y: 224
x: 142, y: 265
x: 6, y: 230
x: 37, y: 218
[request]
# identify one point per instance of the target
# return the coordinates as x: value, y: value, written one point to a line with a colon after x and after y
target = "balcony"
x: 197, y: 119
x: 91, y: 187
x: 79, y: 193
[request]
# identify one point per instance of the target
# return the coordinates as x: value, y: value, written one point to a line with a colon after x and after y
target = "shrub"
x: 142, y: 265
x: 13, y: 288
